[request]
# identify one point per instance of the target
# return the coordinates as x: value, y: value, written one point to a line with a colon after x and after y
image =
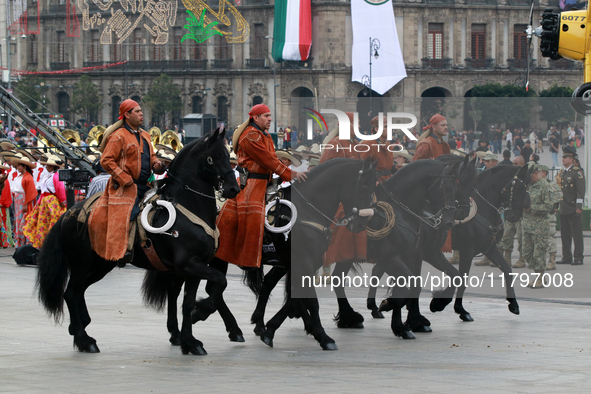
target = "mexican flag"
x: 292, y: 32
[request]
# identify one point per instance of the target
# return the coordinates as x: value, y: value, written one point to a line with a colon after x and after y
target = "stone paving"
x: 545, y: 349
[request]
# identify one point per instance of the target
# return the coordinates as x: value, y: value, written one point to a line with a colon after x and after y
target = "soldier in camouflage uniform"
x: 555, y: 196
x: 536, y: 225
x: 505, y: 245
x: 572, y: 183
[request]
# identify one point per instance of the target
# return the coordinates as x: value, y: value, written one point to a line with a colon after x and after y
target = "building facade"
x: 449, y: 46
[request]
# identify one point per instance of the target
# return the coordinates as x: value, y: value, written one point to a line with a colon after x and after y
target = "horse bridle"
x: 433, y: 221
x: 510, y: 186
x: 207, y: 170
x: 355, y: 212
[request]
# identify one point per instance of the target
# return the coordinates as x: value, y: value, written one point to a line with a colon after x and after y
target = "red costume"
x: 242, y: 219
x: 122, y: 158
x: 432, y: 147
x: 344, y: 244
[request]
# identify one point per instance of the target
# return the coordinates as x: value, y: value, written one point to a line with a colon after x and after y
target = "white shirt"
x: 46, y: 182
x: 17, y: 185
x: 509, y: 136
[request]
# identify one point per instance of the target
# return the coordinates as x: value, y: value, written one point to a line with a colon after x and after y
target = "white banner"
x: 375, y: 19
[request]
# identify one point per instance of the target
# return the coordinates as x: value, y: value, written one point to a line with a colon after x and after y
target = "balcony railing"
x: 59, y: 66
x: 479, y: 63
x: 298, y: 63
x: 481, y: 2
x: 92, y: 64
x: 256, y: 63
x: 221, y: 63
x: 57, y: 8
x: 195, y: 64
x: 441, y: 64
x: 524, y: 3
x: 564, y: 64
x: 519, y: 64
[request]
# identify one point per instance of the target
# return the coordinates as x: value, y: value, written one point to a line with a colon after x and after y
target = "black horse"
x: 414, y: 237
x: 410, y: 187
x: 499, y: 191
x: 346, y: 181
x: 198, y: 169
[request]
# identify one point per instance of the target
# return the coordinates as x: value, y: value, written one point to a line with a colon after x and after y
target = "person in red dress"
x: 241, y: 221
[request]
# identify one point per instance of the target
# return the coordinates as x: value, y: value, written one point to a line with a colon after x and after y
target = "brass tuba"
x: 155, y: 135
x: 171, y: 139
x: 95, y: 135
x: 72, y: 136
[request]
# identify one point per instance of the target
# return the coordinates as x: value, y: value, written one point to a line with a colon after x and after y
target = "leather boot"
x: 520, y: 263
x: 127, y: 258
x: 551, y: 266
x: 537, y: 283
x: 455, y: 258
x: 507, y: 254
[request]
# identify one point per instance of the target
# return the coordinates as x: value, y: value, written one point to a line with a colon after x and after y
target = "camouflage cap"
x: 542, y: 167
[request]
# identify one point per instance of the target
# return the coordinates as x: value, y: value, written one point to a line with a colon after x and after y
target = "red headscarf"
x: 126, y: 106
x: 434, y: 120
x: 259, y: 109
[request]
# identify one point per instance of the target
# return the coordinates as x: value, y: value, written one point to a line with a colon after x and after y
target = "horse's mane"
x: 485, y: 176
x: 196, y: 145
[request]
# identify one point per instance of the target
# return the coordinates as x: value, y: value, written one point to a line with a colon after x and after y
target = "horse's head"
x: 466, y: 177
x: 207, y: 159
x: 514, y: 196
x: 442, y: 196
x: 356, y: 196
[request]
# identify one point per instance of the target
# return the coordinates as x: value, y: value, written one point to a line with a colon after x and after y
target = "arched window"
x: 115, y: 103
x: 197, y: 105
x: 63, y: 104
x: 223, y: 109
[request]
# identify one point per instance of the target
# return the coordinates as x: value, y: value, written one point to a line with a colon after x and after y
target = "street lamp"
x: 374, y: 45
x: 8, y: 40
x: 274, y: 84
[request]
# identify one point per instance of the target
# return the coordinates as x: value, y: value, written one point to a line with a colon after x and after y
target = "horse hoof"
x: 422, y: 329
x: 236, y: 338
x: 466, y: 317
x: 175, y: 341
x: 514, y: 309
x: 385, y: 306
x: 407, y: 335
x: 258, y: 331
x: 350, y: 325
x: 92, y: 348
x: 329, y: 346
x: 376, y: 314
x: 267, y: 340
x: 195, y: 350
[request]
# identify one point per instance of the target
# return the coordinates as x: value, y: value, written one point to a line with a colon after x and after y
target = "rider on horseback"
x: 431, y: 144
x: 242, y: 219
x: 129, y: 157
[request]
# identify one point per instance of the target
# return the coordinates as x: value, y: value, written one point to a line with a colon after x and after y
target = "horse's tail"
x: 155, y: 288
x: 253, y: 278
x: 52, y: 273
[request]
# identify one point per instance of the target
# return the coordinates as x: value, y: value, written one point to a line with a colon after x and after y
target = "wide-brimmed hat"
x: 481, y: 154
x: 3, y: 167
x: 53, y: 160
x: 7, y: 154
x: 24, y: 160
x: 313, y: 162
x: 459, y: 152
x: 403, y: 153
x: 38, y: 155
x: 233, y: 158
x: 165, y: 155
x: 26, y: 153
x: 315, y: 149
x: 491, y: 156
x: 282, y: 154
x: 6, y: 144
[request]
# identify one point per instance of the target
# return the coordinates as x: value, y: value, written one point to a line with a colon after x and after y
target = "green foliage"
x: 555, y: 105
x: 198, y: 31
x: 86, y: 99
x: 30, y: 91
x: 163, y: 99
x: 503, y: 104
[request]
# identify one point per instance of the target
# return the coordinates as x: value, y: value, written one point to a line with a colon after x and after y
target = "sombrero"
x: 28, y: 154
x: 3, y: 167
x: 459, y: 152
x: 7, y: 154
x: 403, y: 153
x: 233, y: 158
x: 53, y: 160
x: 165, y: 155
x: 334, y: 132
x: 315, y: 149
x: 282, y: 154
x: 24, y: 160
x: 6, y: 144
x: 164, y: 148
x: 481, y: 154
x: 238, y: 132
x: 302, y: 149
x: 38, y: 155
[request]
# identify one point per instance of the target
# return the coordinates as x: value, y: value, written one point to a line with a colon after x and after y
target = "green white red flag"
x: 292, y: 30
